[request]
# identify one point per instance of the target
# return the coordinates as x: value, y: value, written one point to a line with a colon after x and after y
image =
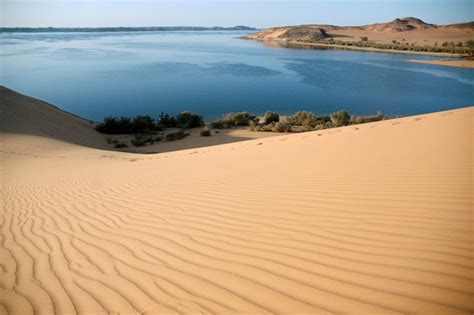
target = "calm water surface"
x: 100, y: 74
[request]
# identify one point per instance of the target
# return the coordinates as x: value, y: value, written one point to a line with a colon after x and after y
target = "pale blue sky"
x: 258, y: 13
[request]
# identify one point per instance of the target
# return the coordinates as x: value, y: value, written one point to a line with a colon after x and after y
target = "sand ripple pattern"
x: 373, y: 220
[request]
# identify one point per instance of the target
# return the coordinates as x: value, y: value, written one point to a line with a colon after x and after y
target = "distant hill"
x: 121, y: 29
x: 400, y: 25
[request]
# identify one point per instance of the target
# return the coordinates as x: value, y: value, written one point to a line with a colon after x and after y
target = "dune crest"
x: 367, y: 219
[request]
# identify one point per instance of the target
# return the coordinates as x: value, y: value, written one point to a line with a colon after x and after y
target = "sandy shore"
x: 372, y: 219
x: 448, y: 63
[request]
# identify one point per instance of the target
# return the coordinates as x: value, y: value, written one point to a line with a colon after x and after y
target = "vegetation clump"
x: 187, y: 120
x: 146, y: 124
x: 271, y: 117
x: 141, y: 140
x: 166, y: 120
x: 173, y: 136
x: 354, y: 120
x: 125, y: 125
x: 206, y: 132
x: 120, y: 145
x: 145, y: 129
x: 305, y: 119
x: 340, y: 118
x: 234, y: 120
x: 282, y: 126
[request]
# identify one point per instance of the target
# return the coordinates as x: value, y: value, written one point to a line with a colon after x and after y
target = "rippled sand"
x: 371, y: 219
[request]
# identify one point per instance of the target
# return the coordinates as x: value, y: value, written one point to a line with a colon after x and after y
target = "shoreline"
x: 345, y: 47
x: 466, y: 64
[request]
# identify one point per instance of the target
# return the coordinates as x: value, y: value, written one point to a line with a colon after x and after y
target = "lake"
x: 99, y: 74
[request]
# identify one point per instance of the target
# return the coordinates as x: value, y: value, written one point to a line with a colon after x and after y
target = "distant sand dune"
x: 373, y: 219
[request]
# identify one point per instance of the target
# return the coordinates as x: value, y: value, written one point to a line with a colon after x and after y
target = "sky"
x: 257, y: 13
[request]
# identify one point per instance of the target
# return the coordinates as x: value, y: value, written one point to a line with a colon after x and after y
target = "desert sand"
x: 368, y: 219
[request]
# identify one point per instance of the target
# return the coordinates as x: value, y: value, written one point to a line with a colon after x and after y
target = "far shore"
x: 448, y: 63
x: 345, y: 47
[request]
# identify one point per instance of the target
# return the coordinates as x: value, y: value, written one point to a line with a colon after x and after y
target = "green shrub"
x: 340, y: 118
x: 188, y: 120
x: 271, y: 117
x: 206, y: 132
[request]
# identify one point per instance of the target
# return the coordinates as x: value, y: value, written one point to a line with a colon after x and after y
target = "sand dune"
x: 373, y: 219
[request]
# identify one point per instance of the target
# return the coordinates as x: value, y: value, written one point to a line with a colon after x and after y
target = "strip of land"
x: 407, y: 35
x: 368, y: 219
x: 448, y: 63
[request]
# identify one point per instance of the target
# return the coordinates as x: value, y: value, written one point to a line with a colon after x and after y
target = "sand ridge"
x: 367, y: 219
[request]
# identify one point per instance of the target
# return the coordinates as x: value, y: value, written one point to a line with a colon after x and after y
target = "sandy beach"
x: 367, y: 219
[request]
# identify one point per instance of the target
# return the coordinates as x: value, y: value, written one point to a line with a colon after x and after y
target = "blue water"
x: 100, y: 74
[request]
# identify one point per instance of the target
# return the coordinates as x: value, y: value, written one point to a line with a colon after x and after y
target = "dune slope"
x: 23, y: 115
x: 373, y: 219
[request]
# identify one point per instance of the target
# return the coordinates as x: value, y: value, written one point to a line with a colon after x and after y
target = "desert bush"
x: 318, y: 120
x: 166, y: 120
x: 141, y: 140
x: 142, y: 124
x: 206, y: 132
x: 234, y: 119
x: 340, y: 118
x: 113, y: 125
x: 366, y: 119
x: 120, y: 145
x: 239, y: 119
x: 364, y: 39
x: 271, y: 117
x: 188, y: 120
x: 125, y: 125
x: 282, y: 126
x: 302, y: 119
x: 176, y: 136
x: 254, y: 126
